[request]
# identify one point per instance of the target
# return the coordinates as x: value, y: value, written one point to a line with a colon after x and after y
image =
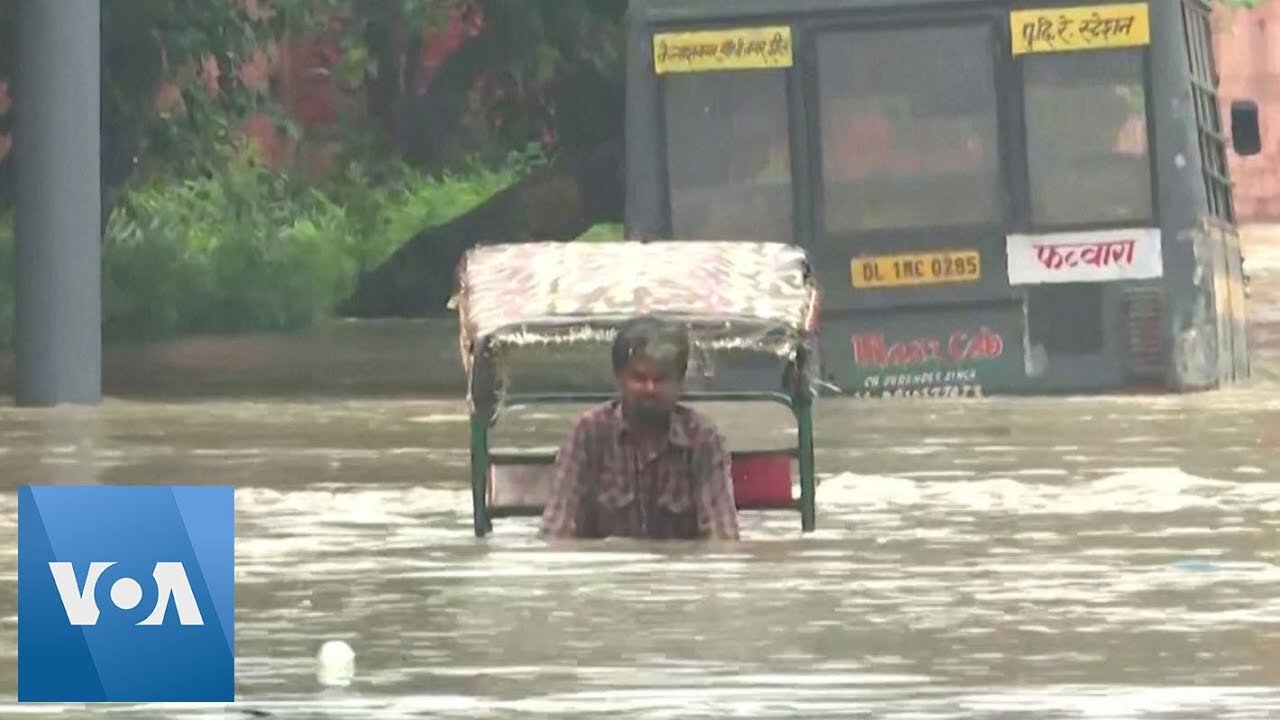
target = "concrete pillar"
x: 57, y: 223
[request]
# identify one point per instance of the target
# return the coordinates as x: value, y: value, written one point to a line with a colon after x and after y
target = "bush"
x: 603, y: 232
x: 389, y: 207
x: 239, y: 250
x: 247, y: 248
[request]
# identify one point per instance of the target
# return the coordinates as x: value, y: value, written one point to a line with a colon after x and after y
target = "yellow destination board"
x: 1092, y: 27
x: 917, y: 269
x: 739, y: 49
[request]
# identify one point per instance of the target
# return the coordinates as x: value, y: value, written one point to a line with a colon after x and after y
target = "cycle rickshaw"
x: 519, y: 302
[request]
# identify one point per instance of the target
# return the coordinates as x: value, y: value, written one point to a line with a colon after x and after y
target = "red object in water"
x: 762, y: 480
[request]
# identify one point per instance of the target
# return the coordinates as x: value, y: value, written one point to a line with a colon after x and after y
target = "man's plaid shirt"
x: 606, y: 485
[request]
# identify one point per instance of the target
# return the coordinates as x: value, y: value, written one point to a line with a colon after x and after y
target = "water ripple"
x: 1110, y: 558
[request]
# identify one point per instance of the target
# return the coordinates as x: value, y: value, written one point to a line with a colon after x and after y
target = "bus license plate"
x: 917, y: 269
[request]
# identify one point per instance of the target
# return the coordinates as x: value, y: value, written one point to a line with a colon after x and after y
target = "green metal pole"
x: 808, y: 471
x: 802, y: 394
x: 480, y: 471
x: 58, y: 220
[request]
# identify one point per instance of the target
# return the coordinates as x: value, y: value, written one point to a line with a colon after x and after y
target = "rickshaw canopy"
x: 754, y: 295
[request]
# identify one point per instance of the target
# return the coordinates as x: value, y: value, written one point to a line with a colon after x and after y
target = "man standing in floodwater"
x: 643, y: 465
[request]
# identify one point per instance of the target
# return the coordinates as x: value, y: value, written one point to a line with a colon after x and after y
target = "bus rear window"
x: 909, y: 128
x: 728, y: 155
x: 1087, y: 138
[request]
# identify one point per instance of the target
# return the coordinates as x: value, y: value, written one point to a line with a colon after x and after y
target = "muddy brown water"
x: 998, y: 558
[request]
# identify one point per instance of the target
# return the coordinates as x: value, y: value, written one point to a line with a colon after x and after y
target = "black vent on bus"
x: 1144, y: 313
x: 1066, y: 319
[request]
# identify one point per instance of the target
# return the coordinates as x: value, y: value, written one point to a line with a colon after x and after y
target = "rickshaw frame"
x: 796, y: 391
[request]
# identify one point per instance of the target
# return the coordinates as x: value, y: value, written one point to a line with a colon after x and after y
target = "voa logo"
x: 171, y: 583
x: 126, y: 593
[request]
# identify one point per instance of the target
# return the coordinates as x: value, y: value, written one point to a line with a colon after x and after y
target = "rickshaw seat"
x: 519, y: 482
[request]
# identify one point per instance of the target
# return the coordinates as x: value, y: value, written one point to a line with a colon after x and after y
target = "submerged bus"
x: 997, y: 197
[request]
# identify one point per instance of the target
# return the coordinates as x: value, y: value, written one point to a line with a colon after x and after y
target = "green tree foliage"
x: 200, y: 237
x: 440, y: 79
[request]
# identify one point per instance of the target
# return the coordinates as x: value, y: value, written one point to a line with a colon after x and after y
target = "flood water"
x: 1000, y: 558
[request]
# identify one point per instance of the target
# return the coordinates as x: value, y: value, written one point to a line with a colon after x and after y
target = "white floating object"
x: 335, y: 664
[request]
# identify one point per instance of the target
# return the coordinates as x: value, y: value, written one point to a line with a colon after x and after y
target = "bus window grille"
x: 1198, y: 35
x: 1144, y: 313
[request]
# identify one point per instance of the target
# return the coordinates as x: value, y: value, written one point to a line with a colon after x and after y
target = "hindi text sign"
x: 1093, y: 27
x: 736, y: 49
x: 1102, y: 256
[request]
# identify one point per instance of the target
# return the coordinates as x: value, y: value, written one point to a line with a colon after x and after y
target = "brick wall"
x: 1248, y: 50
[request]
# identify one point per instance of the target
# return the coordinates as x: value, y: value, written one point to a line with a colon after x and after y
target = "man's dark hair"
x: 661, y: 341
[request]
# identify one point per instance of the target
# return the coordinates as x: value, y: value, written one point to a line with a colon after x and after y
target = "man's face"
x: 649, y: 389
